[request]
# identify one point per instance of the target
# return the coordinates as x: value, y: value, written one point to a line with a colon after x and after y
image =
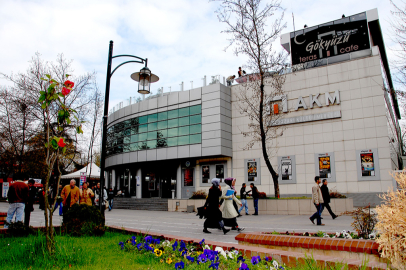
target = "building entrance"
x: 158, y: 180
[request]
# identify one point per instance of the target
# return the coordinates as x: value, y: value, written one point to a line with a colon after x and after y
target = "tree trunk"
x: 263, y: 142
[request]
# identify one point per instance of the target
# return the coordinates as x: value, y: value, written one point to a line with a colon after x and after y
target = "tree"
x: 392, y: 223
x: 247, y: 24
x: 55, y: 97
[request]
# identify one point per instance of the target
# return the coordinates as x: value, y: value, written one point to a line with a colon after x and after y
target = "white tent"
x: 95, y: 172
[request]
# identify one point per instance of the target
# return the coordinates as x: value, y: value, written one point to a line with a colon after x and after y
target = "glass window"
x: 173, y: 141
x: 126, y: 148
x: 162, y: 133
x: 162, y: 116
x: 151, y: 144
x: 205, y: 173
x: 127, y: 123
x: 197, y: 138
x: 195, y: 119
x: 220, y: 171
x: 184, y: 112
x: 126, y: 132
x: 161, y: 142
x: 184, y: 130
x: 143, y: 128
x: 184, y: 121
x: 143, y: 119
x: 172, y: 123
x: 152, y: 126
x: 196, y: 109
x: 163, y: 124
x: 151, y: 135
x: 134, y: 138
x: 120, y: 141
x: 173, y: 114
x: 142, y: 137
x: 172, y: 132
x: 119, y: 148
x: 183, y: 140
x: 195, y: 129
x: 134, y: 121
x: 134, y: 129
x: 127, y: 139
x: 134, y: 147
x: 152, y: 118
x: 142, y: 146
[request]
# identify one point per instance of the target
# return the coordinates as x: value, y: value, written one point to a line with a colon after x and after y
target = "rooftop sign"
x: 342, y: 36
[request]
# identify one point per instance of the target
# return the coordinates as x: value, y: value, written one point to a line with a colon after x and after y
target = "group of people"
x: 21, y: 198
x: 321, y: 200
x: 215, y: 218
x: 230, y: 79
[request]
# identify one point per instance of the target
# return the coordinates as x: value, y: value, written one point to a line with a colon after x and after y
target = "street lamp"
x: 144, y: 77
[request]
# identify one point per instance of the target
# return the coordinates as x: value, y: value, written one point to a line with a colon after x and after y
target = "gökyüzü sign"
x: 300, y: 103
x: 342, y: 36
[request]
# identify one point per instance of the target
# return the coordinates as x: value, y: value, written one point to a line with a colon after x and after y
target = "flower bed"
x: 182, y: 254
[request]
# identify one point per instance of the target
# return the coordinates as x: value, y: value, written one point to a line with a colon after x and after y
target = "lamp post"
x: 144, y: 77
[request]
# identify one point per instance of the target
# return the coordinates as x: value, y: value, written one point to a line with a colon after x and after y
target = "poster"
x: 367, y: 164
x: 252, y: 171
x: 324, y: 167
x: 82, y: 179
x: 188, y: 178
x: 286, y: 169
x: 151, y: 181
x: 138, y: 181
x: 205, y: 174
x: 220, y: 172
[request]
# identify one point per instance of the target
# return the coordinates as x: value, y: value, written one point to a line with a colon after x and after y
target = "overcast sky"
x: 182, y: 39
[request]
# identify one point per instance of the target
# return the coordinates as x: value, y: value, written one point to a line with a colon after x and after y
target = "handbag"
x: 107, y: 204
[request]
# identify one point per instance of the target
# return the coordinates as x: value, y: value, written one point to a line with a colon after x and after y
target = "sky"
x: 182, y: 39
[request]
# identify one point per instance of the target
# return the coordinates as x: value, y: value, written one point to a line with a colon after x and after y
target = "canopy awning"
x: 95, y: 172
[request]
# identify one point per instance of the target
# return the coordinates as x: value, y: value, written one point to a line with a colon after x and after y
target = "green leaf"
x: 77, y: 119
x: 64, y: 150
x: 79, y: 130
x: 42, y: 92
x: 60, y: 128
x: 67, y: 75
x: 46, y: 145
x: 60, y: 94
x: 44, y: 105
x: 41, y: 98
x: 68, y: 121
x: 48, y: 76
x: 74, y: 111
x: 44, y: 79
x: 54, y: 144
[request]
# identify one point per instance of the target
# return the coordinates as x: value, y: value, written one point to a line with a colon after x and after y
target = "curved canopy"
x: 95, y: 172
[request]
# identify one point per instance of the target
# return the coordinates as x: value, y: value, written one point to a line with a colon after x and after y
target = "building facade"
x: 338, y: 115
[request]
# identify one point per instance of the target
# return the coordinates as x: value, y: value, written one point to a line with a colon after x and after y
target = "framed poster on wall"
x: 252, y: 168
x: 287, y: 169
x: 205, y: 173
x: 188, y: 178
x: 367, y: 164
x: 325, y: 166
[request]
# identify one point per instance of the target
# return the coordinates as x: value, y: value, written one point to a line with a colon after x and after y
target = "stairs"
x: 152, y: 204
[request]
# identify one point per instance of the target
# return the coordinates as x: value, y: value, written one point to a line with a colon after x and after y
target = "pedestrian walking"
x: 70, y: 195
x: 59, y: 201
x: 29, y: 206
x: 229, y: 212
x: 213, y: 214
x: 110, y: 195
x: 100, y: 199
x: 326, y: 198
x: 86, y: 195
x: 255, y: 195
x: 317, y: 199
x: 243, y: 195
x: 17, y: 197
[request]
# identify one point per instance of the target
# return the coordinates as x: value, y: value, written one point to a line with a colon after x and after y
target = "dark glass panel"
x: 162, y: 116
x: 163, y: 124
x: 196, y: 119
x: 184, y: 130
x: 195, y: 129
x: 197, y: 138
x: 184, y: 121
x: 173, y: 123
x: 173, y: 132
x: 196, y: 109
x: 173, y: 141
x: 183, y: 140
x: 152, y: 118
x: 152, y: 126
x: 143, y: 119
x: 184, y: 112
x: 173, y: 114
x: 143, y: 128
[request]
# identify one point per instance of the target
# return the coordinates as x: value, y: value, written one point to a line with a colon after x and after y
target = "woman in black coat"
x: 326, y: 198
x: 214, y: 217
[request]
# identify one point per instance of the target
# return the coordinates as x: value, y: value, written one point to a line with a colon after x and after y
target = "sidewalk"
x: 189, y: 225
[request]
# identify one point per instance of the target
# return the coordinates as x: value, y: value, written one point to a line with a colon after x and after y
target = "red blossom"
x: 65, y: 91
x: 61, y: 143
x: 69, y: 84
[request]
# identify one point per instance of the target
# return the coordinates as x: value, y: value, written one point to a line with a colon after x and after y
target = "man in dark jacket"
x: 110, y: 195
x: 244, y: 203
x: 326, y: 198
x: 17, y: 197
x: 255, y: 196
x: 29, y: 206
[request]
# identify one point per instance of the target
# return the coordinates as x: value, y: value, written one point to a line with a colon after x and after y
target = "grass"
x: 73, y: 253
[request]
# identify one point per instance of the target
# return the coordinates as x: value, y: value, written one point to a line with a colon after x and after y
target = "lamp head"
x: 145, y: 78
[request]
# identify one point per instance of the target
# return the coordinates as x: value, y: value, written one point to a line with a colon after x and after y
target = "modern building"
x: 338, y: 113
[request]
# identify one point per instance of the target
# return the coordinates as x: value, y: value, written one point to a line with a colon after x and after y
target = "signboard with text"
x: 346, y: 35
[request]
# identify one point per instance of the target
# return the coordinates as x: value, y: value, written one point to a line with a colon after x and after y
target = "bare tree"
x: 247, y: 24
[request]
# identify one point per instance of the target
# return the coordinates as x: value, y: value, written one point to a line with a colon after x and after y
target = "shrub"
x: 200, y: 194
x: 335, y: 194
x: 262, y: 195
x: 391, y: 225
x: 364, y: 221
x: 82, y: 219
